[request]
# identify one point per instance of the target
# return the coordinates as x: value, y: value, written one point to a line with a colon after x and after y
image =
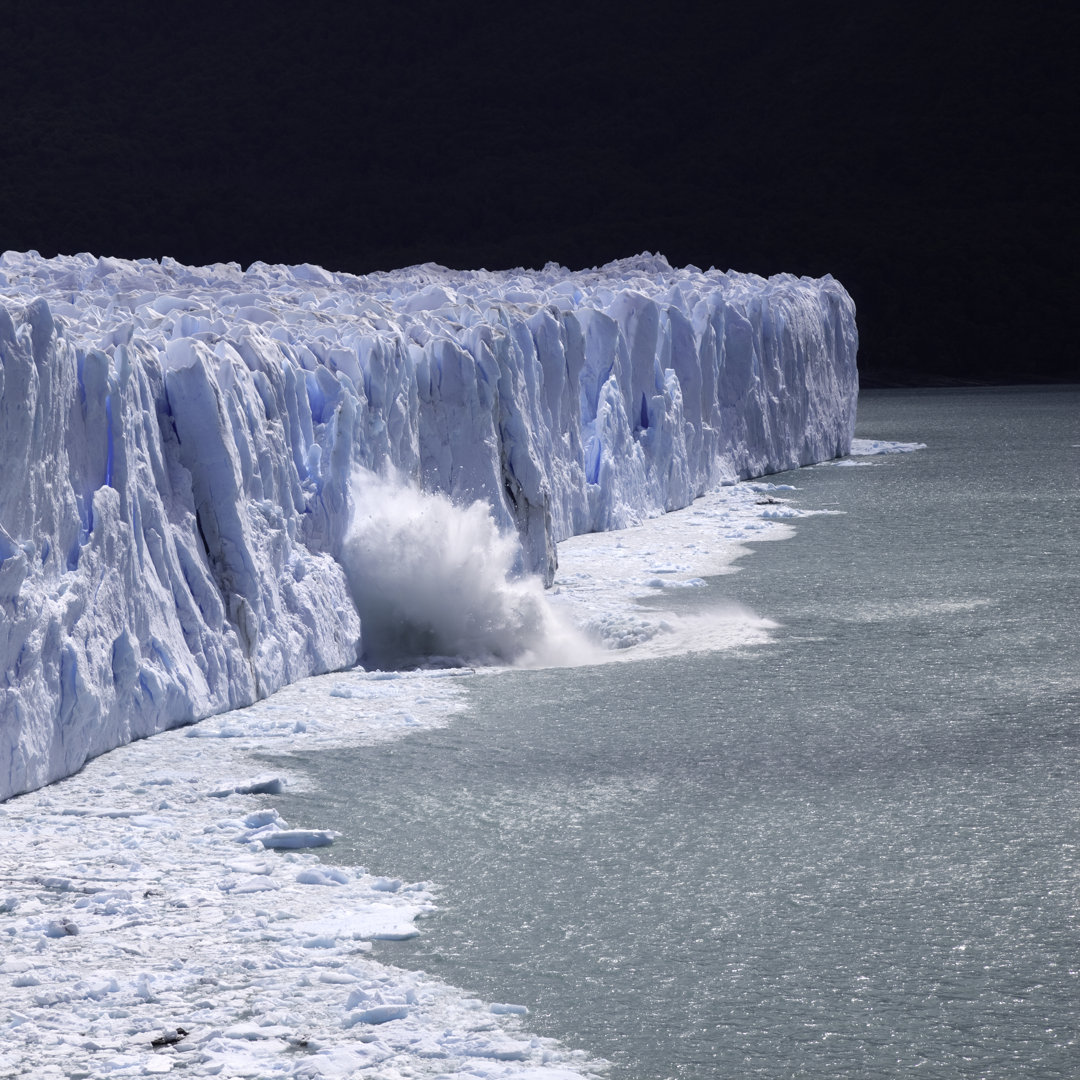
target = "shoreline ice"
x: 144, y: 895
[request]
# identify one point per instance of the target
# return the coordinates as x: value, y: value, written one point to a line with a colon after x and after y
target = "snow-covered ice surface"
x: 179, y: 447
x: 156, y: 915
x: 153, y: 895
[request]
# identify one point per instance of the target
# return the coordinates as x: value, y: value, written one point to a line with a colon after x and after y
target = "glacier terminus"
x: 186, y: 452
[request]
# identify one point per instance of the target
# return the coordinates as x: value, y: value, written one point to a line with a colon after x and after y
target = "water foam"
x: 434, y: 584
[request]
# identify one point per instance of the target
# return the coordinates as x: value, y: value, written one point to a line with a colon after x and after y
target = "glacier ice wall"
x: 177, y: 445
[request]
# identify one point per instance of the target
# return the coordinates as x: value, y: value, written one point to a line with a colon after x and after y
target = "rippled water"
x: 849, y: 853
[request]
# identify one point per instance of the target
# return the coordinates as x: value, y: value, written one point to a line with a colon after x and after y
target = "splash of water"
x: 433, y: 583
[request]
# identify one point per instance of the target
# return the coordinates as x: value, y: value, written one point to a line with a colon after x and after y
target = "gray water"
x: 850, y: 853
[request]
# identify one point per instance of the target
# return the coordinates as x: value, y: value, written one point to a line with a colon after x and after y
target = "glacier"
x: 181, y: 448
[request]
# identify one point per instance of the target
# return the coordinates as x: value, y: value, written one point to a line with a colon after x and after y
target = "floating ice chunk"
x: 494, y: 1048
x: 57, y: 884
x: 59, y: 928
x: 337, y: 978
x: 246, y: 885
x: 374, y: 922
x: 260, y: 818
x: 386, y: 884
x: 507, y: 1010
x: 225, y: 731
x: 377, y: 1014
x: 267, y: 785
x: 297, y: 838
x: 322, y: 875
x: 396, y: 932
x: 253, y: 1032
x: 99, y: 988
x: 870, y: 447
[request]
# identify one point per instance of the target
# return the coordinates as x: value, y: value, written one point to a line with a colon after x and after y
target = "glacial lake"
x: 849, y: 852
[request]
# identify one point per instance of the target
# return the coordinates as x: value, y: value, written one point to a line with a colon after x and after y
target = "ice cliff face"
x: 177, y: 446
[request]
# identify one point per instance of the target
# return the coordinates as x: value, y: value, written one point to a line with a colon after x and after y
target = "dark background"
x: 921, y: 153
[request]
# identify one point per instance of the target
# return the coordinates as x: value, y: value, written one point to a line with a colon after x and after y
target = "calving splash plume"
x: 435, y: 584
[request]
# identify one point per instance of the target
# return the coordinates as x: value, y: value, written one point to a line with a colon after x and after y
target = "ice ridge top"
x: 179, y: 446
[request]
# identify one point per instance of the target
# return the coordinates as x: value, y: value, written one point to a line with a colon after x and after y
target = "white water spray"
x: 433, y: 584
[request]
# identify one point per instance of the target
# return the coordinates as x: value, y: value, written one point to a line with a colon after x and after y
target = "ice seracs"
x: 179, y: 446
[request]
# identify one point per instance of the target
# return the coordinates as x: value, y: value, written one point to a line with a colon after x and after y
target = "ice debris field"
x: 219, y: 482
x: 156, y: 913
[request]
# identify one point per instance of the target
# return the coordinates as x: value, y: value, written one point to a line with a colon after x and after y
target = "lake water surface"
x: 851, y: 852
